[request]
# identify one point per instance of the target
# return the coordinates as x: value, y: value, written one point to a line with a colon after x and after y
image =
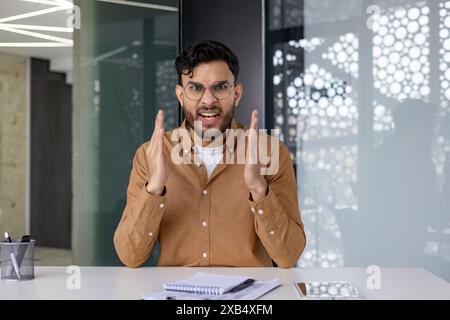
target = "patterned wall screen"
x: 360, y: 91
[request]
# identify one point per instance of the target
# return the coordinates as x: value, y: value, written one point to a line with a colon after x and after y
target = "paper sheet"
x: 253, y: 292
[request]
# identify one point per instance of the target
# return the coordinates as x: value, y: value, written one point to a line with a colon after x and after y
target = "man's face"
x: 213, y: 112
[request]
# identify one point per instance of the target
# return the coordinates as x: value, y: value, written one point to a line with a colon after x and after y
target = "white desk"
x: 123, y: 283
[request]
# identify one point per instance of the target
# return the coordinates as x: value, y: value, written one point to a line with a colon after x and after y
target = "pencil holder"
x: 17, y: 260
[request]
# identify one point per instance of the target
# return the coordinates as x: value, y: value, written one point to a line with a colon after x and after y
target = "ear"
x: 238, y: 91
x: 180, y: 93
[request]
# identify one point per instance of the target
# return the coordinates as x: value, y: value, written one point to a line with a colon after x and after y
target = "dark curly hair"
x: 202, y: 52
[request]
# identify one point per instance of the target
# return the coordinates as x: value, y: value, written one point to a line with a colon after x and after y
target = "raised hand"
x: 252, y: 176
x: 157, y: 163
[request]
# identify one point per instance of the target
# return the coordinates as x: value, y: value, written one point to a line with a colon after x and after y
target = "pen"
x: 13, y: 258
x: 25, y: 238
x: 16, y: 267
x: 22, y: 250
x: 186, y: 298
x: 243, y: 285
x: 7, y: 237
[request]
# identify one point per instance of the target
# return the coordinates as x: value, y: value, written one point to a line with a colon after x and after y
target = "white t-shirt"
x: 210, y: 157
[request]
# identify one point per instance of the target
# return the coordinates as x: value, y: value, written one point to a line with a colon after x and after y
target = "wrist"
x: 154, y: 190
x: 259, y: 192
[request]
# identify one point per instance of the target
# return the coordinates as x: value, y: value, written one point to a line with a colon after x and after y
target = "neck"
x: 204, y: 142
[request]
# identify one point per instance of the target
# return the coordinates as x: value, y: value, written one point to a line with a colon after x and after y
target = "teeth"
x: 208, y: 114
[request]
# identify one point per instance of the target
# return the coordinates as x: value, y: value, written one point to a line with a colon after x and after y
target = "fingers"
x: 156, y: 145
x: 254, y: 120
x: 160, y: 119
x: 159, y: 123
x: 160, y: 142
x: 155, y: 129
x: 252, y: 148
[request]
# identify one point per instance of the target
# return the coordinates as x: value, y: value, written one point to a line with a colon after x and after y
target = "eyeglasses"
x: 220, y: 90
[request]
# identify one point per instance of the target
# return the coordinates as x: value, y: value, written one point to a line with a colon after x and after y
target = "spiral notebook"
x: 208, y: 284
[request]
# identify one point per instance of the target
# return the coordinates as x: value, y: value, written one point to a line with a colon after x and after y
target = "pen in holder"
x: 17, y: 260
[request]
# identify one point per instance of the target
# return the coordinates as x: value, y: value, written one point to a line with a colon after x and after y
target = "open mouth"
x: 209, y: 118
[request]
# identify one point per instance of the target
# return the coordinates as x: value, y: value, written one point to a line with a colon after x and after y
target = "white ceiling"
x: 21, y: 44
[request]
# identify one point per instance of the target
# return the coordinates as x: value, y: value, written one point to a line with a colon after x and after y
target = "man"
x: 209, y: 212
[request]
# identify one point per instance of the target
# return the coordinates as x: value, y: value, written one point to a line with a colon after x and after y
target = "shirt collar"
x: 228, y: 149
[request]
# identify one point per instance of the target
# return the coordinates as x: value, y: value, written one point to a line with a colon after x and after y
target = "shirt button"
x: 204, y: 255
x: 205, y: 192
x: 150, y: 234
x: 162, y: 205
x: 260, y: 211
x: 204, y: 224
x: 253, y: 209
x: 272, y: 232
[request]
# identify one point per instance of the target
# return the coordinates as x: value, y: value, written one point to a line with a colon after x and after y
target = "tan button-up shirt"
x: 201, y: 221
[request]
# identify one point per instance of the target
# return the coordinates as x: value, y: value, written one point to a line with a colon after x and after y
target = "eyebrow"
x: 214, y: 84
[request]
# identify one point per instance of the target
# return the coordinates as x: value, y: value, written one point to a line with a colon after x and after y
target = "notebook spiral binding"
x: 209, y: 290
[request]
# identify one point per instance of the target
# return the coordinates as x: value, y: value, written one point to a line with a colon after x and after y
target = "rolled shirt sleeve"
x: 277, y: 216
x: 138, y: 229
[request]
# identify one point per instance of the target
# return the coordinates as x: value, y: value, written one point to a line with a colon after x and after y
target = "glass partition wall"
x: 124, y: 72
x: 360, y: 90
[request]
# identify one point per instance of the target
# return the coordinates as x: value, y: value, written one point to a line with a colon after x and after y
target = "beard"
x: 226, y: 118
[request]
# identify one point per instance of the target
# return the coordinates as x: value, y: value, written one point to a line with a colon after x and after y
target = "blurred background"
x: 359, y: 89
